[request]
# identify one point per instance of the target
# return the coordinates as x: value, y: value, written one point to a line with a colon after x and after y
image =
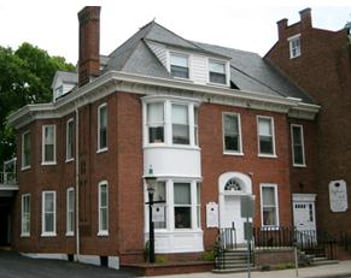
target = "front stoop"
x: 147, y: 269
x: 232, y: 261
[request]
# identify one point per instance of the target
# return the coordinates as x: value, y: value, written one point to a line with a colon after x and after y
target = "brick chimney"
x: 282, y: 25
x: 305, y: 18
x: 89, y: 44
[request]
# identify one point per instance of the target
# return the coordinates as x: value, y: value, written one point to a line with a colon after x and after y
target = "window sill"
x: 267, y: 228
x: 267, y: 156
x: 24, y: 235
x: 69, y: 234
x: 25, y: 168
x: 299, y: 165
x: 233, y: 153
x: 102, y: 233
x: 48, y: 163
x: 69, y: 160
x: 102, y: 150
x: 48, y: 234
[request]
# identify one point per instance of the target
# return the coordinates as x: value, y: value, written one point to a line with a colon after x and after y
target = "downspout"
x: 77, y: 185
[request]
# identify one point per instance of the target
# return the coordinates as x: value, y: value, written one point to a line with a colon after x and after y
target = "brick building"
x: 319, y: 61
x: 212, y: 123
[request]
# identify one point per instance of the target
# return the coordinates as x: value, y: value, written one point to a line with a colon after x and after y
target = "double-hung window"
x: 180, y: 124
x: 269, y: 205
x: 69, y: 139
x: 179, y: 65
x: 49, y: 144
x: 103, y: 209
x: 70, y: 212
x: 155, y: 122
x: 217, y: 72
x: 182, y: 205
x: 160, y: 196
x: 266, y: 139
x: 48, y: 213
x: 232, y: 133
x: 102, y: 127
x: 295, y: 46
x: 25, y: 215
x: 297, y: 142
x: 26, y: 152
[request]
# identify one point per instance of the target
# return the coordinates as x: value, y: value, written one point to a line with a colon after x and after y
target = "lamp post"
x: 150, y: 181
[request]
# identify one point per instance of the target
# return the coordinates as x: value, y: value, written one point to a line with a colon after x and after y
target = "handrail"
x: 8, y: 178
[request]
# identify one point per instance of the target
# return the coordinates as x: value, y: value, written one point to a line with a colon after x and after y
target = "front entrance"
x: 233, y: 185
x: 304, y: 215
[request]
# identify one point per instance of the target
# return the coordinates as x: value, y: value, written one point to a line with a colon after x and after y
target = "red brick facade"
x: 324, y: 71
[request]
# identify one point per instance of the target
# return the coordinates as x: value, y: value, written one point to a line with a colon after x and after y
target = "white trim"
x: 271, y: 119
x: 146, y: 85
x: 229, y: 152
x: 102, y: 232
x: 25, y: 234
x: 70, y: 230
x: 51, y: 162
x: 25, y: 167
x: 105, y: 148
x: 71, y: 158
x: 292, y: 39
x: 303, y: 164
x: 43, y: 223
x: 276, y: 200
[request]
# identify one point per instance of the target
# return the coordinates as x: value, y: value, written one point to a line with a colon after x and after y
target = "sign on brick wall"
x: 338, y: 196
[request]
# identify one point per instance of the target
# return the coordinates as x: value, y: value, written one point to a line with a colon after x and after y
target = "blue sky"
x: 248, y: 25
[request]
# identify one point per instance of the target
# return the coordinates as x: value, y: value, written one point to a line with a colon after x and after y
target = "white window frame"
x: 23, y: 165
x: 179, y: 54
x: 232, y: 152
x: 294, y: 50
x: 155, y: 124
x: 276, y: 200
x: 99, y: 147
x: 192, y: 108
x: 69, y: 145
x: 25, y: 216
x: 226, y: 71
x: 303, y: 164
x: 70, y: 212
x: 260, y: 154
x: 53, y: 161
x: 45, y: 233
x: 103, y: 231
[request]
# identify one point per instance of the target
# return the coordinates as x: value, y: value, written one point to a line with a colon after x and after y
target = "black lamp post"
x: 150, y: 181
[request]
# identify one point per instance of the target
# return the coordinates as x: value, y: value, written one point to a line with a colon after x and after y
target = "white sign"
x: 212, y: 215
x: 158, y: 213
x: 338, y: 196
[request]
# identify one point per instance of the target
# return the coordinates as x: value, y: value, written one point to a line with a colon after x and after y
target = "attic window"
x: 217, y: 72
x: 295, y: 46
x: 179, y: 65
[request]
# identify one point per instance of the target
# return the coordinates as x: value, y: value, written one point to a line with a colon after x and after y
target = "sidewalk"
x: 342, y: 269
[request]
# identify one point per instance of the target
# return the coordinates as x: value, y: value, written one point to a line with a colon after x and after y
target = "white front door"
x: 305, y: 216
x: 232, y: 217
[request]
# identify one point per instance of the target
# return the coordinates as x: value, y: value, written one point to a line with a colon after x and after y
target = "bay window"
x: 155, y: 122
x: 180, y: 124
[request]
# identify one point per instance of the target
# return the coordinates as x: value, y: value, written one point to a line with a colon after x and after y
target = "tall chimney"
x: 305, y: 18
x: 89, y: 44
x: 282, y: 25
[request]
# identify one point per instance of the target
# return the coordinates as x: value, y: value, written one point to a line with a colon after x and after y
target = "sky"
x: 247, y: 25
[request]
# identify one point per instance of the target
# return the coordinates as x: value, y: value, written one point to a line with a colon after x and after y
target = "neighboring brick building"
x: 319, y: 61
x: 213, y: 123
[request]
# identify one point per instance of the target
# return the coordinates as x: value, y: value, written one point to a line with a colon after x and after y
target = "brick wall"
x: 324, y: 71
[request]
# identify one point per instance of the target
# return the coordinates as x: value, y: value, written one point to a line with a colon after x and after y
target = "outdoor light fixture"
x: 151, y: 181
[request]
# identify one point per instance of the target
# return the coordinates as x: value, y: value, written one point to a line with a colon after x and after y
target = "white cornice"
x: 113, y: 81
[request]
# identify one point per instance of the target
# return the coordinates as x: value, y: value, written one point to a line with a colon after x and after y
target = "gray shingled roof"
x: 249, y: 71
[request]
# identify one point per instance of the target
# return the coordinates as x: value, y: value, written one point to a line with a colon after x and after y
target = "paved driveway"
x: 13, y: 265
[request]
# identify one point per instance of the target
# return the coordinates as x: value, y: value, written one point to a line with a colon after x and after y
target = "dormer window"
x: 179, y: 65
x: 295, y: 46
x: 217, y: 72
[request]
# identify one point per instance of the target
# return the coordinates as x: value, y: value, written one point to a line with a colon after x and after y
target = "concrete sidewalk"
x: 342, y: 269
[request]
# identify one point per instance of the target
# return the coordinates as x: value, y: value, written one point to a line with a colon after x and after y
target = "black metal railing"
x: 227, y: 238
x: 269, y: 237
x: 344, y: 241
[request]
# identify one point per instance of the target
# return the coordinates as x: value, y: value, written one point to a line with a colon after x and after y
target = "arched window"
x: 232, y: 185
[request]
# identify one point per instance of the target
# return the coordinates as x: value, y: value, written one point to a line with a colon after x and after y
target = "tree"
x: 26, y: 76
